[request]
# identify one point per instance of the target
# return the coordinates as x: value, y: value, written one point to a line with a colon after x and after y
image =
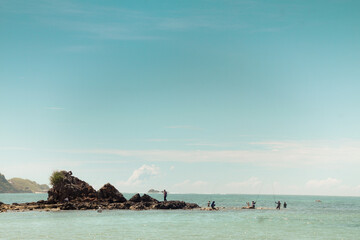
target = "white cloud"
x: 141, y: 174
x: 324, y: 183
x: 188, y: 186
x: 250, y: 186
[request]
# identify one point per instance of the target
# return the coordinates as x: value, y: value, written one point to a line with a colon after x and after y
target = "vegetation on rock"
x: 56, y: 178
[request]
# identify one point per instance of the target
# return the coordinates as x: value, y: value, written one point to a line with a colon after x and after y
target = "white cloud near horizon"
x: 188, y: 186
x: 324, y: 183
x: 249, y: 186
x: 141, y: 174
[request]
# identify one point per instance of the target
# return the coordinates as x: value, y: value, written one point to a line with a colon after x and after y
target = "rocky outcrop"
x: 71, y: 193
x: 70, y: 189
x: 110, y: 194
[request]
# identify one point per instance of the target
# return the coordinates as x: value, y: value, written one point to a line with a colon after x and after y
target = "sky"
x: 206, y: 96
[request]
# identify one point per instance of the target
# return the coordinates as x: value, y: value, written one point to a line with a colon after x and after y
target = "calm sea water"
x: 332, y: 218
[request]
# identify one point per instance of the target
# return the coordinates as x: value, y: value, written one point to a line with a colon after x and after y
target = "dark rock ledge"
x: 74, y: 194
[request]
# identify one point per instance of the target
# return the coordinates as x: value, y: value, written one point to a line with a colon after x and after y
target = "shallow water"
x: 333, y: 218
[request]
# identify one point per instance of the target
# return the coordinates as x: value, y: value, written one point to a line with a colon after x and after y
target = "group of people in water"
x: 278, y: 205
x: 212, y: 205
x: 250, y: 206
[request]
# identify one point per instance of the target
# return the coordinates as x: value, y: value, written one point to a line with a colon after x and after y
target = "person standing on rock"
x: 165, y: 195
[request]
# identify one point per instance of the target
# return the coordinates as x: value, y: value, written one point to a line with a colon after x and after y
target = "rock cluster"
x: 74, y: 194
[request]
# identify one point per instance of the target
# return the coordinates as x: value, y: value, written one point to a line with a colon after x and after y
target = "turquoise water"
x: 333, y: 218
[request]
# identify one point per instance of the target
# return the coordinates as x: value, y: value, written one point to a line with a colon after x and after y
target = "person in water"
x: 165, y: 195
x: 208, y: 203
x: 278, y: 205
x: 253, y: 204
x: 213, y: 205
x: 285, y: 204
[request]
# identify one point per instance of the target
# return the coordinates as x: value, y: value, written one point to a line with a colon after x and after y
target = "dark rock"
x: 70, y: 188
x: 147, y: 198
x: 175, y: 205
x: 1, y: 203
x: 68, y: 206
x: 135, y: 198
x: 138, y: 206
x: 110, y: 193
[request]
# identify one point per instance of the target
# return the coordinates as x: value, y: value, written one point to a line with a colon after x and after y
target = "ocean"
x: 304, y: 218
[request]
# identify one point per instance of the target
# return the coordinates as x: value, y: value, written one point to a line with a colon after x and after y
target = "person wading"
x: 278, y: 205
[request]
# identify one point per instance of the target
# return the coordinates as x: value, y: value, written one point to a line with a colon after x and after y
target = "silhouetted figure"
x: 278, y: 205
x: 165, y: 195
x: 213, y: 205
x: 285, y: 204
x: 253, y: 204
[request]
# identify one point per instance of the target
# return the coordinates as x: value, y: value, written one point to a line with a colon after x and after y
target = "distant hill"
x: 19, y: 185
x: 5, y: 186
x: 25, y: 185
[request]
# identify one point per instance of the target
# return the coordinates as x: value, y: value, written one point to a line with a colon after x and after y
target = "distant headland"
x: 70, y: 193
x: 154, y: 191
x: 19, y: 185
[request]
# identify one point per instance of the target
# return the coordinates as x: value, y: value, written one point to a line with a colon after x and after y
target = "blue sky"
x: 192, y: 96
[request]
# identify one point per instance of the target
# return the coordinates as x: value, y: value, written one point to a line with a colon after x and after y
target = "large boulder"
x: 70, y: 188
x: 147, y: 198
x: 110, y: 194
x: 135, y: 198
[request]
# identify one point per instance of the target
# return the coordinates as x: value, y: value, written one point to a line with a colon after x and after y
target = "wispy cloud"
x: 157, y: 140
x: 54, y: 108
x: 183, y: 127
x: 117, y: 23
x: 206, y: 144
x: 286, y: 154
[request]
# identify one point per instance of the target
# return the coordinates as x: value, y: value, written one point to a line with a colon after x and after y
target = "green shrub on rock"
x: 56, y: 178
